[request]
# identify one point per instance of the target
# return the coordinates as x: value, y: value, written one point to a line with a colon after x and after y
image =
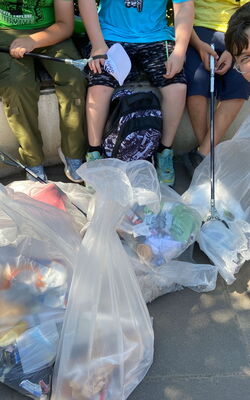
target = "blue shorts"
x: 231, y: 85
x: 150, y: 57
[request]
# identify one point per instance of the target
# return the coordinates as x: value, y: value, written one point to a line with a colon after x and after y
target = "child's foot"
x: 71, y: 165
x: 93, y: 155
x: 192, y: 160
x: 165, y: 167
x: 38, y: 174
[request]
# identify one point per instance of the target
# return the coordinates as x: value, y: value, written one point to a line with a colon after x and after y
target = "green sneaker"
x: 165, y: 167
x: 93, y: 155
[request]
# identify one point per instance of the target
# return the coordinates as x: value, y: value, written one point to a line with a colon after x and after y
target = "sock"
x: 161, y: 148
x: 95, y: 148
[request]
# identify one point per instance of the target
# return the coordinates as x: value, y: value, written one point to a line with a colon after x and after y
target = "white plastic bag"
x: 38, y: 246
x: 228, y: 247
x: 73, y: 199
x: 172, y: 276
x: 107, y: 342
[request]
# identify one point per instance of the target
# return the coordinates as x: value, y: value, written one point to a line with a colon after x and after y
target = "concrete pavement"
x: 202, y: 340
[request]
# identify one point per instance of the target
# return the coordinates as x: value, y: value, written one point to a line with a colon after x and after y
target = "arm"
x: 203, y: 48
x: 223, y: 63
x: 90, y: 19
x: 59, y: 31
x: 183, y: 21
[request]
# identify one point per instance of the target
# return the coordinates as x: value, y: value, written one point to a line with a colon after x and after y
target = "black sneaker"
x: 191, y: 160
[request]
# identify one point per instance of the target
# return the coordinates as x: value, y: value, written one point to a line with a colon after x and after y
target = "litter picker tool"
x: 214, y: 215
x: 117, y: 62
x: 9, y: 160
x: 80, y: 64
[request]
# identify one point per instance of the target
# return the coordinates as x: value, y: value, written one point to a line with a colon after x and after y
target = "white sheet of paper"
x: 118, y: 63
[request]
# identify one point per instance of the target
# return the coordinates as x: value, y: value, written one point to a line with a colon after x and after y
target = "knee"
x: 78, y: 81
x: 177, y: 90
x: 199, y: 85
x: 100, y: 92
x: 72, y: 88
x: 100, y: 89
x: 74, y: 95
x: 181, y: 89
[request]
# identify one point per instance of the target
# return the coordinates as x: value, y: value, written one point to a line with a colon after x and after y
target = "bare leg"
x: 173, y: 103
x: 97, y: 108
x: 225, y: 114
x: 197, y: 110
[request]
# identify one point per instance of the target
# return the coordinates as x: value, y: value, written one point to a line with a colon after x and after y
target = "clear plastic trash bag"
x: 228, y: 247
x: 38, y: 246
x: 107, y: 343
x: 158, y: 238
x: 172, y: 276
x: 73, y: 199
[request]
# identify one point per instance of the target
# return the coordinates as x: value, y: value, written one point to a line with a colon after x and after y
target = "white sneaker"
x: 71, y: 165
x: 36, y: 174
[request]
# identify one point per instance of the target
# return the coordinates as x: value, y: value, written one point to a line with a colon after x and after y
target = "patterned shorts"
x: 148, y: 57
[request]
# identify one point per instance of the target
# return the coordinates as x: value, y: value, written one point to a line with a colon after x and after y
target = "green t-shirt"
x: 26, y: 14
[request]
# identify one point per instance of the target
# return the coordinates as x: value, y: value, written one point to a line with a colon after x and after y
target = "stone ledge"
x: 49, y: 126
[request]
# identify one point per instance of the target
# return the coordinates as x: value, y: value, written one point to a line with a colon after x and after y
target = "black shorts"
x: 150, y: 58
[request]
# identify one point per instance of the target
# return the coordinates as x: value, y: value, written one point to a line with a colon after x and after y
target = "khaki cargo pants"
x: 20, y: 89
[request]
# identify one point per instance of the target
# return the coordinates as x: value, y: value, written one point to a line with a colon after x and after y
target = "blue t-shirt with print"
x: 135, y: 21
